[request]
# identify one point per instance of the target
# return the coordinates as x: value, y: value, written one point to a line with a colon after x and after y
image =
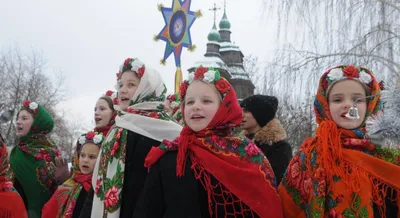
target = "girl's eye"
x: 131, y: 85
x: 207, y: 101
x: 189, y: 102
x: 92, y: 157
x: 337, y: 100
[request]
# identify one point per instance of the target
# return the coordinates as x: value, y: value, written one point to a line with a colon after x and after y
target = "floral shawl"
x: 145, y: 116
x: 28, y: 160
x: 11, y: 204
x: 244, y: 175
x: 63, y: 202
x: 339, y: 172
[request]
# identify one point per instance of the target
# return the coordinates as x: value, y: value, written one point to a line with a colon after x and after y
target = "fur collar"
x: 270, y: 134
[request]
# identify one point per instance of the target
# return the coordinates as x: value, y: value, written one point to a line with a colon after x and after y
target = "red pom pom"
x: 109, y: 93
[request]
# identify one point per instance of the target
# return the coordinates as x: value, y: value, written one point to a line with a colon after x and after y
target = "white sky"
x: 88, y: 40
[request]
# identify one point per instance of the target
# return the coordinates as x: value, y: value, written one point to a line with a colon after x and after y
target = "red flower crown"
x: 113, y: 95
x: 132, y: 64
x: 33, y: 106
x: 209, y: 75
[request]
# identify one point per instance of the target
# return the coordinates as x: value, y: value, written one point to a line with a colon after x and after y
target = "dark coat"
x: 271, y: 139
x: 135, y: 174
x: 165, y: 195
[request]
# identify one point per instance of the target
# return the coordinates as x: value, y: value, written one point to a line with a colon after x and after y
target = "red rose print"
x: 294, y: 173
x: 109, y: 93
x: 351, y: 72
x: 222, y: 85
x: 251, y: 149
x: 183, y: 89
x: 111, y: 197
x: 307, y: 186
x: 114, y: 148
x: 26, y: 103
x: 115, y: 101
x: 96, y: 190
x: 90, y: 135
x: 47, y: 157
x: 199, y: 73
x: 140, y: 71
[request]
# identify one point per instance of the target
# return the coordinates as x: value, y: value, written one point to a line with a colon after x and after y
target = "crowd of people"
x: 201, y: 153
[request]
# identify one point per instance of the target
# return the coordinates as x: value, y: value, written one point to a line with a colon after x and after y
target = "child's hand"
x: 60, y: 169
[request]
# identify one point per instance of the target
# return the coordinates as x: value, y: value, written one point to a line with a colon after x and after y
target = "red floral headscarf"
x: 338, y: 172
x: 241, y: 169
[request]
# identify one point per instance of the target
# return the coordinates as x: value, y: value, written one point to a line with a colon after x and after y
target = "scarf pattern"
x: 146, y: 106
x: 222, y: 152
x: 322, y: 181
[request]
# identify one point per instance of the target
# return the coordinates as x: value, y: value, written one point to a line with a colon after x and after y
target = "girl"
x: 339, y: 172
x: 69, y: 198
x: 11, y: 204
x: 211, y: 170
x: 104, y: 113
x: 33, y: 180
x: 141, y: 123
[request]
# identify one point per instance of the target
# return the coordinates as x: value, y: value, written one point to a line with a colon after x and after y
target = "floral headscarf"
x: 335, y: 173
x: 28, y: 159
x: 63, y: 202
x: 145, y: 116
x: 231, y: 158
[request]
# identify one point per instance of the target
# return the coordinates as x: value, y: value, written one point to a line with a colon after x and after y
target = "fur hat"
x: 263, y: 107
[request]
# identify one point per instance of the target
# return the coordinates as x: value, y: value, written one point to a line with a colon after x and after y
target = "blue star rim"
x: 176, y: 32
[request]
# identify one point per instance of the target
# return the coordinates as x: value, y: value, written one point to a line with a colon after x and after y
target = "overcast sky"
x: 88, y: 40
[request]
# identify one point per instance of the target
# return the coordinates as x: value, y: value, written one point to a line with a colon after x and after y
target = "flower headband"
x: 348, y: 72
x: 113, y: 95
x: 96, y: 138
x: 131, y: 64
x: 33, y: 106
x: 208, y: 75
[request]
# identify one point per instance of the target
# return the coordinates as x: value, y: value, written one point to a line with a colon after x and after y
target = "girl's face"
x: 102, y: 113
x: 128, y: 85
x: 342, y: 96
x: 87, y: 157
x: 24, y: 123
x: 202, y: 101
x: 249, y: 123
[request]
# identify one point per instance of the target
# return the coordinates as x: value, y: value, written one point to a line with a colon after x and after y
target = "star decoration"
x: 176, y: 32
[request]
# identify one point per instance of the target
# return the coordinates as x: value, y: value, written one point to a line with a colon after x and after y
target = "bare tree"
x: 23, y: 78
x: 333, y: 32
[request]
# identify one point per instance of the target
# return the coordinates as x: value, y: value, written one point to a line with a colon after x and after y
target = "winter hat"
x: 263, y: 107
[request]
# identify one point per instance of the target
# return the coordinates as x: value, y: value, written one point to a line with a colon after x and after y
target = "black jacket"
x: 271, y: 139
x: 167, y: 196
x: 135, y: 175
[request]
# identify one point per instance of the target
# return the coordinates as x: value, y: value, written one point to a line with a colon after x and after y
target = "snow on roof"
x: 238, y: 73
x: 228, y: 46
x: 215, y: 62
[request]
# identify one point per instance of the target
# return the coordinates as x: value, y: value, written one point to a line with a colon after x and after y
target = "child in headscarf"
x: 141, y: 123
x: 33, y: 180
x: 210, y: 170
x: 69, y: 198
x: 11, y: 204
x: 339, y: 172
